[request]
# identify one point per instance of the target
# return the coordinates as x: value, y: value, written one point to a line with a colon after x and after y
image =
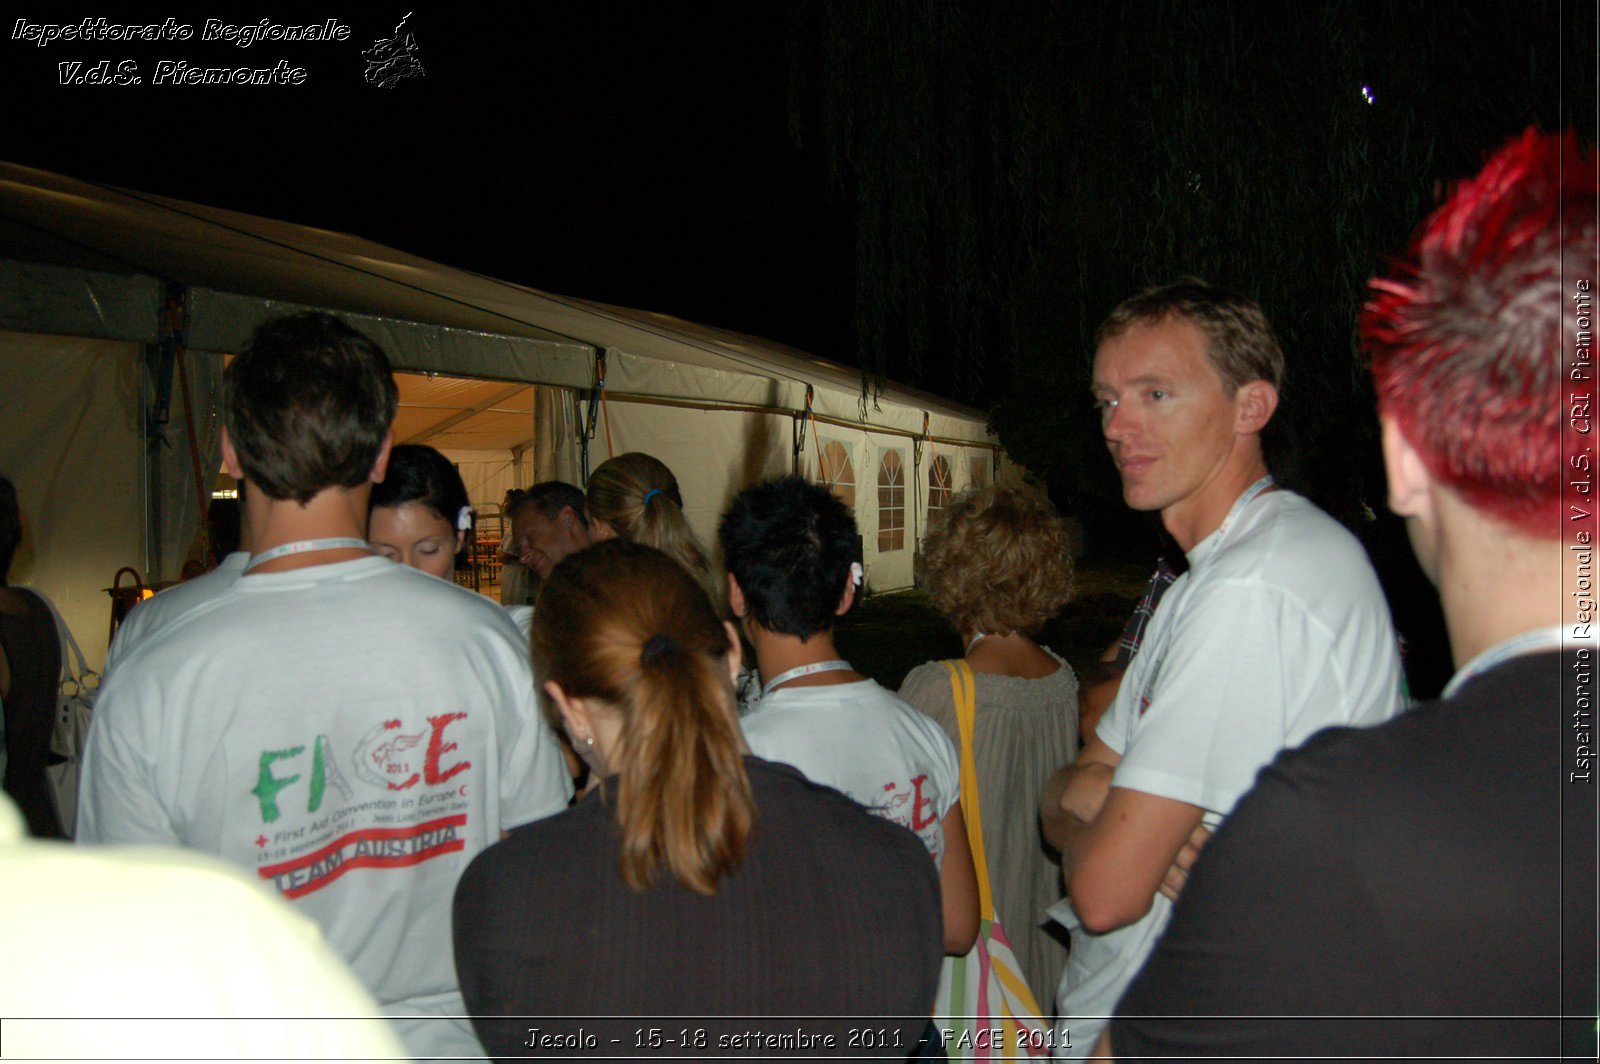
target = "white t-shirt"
x: 213, y: 966
x: 155, y: 613
x: 861, y: 739
x: 522, y: 617
x: 353, y: 733
x: 1278, y: 630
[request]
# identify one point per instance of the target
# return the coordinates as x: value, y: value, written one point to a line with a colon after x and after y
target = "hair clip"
x: 857, y: 574
x: 656, y: 648
x: 464, y: 519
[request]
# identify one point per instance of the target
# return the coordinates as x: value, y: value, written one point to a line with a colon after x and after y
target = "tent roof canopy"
x: 81, y: 258
x: 454, y: 413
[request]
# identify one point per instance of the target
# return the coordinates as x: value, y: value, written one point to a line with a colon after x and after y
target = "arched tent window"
x: 978, y: 471
x: 939, y: 485
x: 891, y: 502
x: 837, y: 473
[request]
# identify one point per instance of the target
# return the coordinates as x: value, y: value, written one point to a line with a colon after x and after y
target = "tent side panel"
x: 884, y: 504
x: 72, y: 446
x: 176, y: 501
x: 489, y: 474
x: 66, y: 302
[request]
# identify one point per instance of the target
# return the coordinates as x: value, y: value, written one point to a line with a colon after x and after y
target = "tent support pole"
x: 592, y: 421
x: 800, y: 421
x: 177, y: 326
x: 917, y: 446
x: 160, y: 359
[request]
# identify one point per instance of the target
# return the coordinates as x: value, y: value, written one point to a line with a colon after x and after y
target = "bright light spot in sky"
x: 1366, y: 94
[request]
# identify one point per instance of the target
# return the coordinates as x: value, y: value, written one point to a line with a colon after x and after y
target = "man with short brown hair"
x: 547, y: 524
x: 1277, y: 630
x: 350, y: 730
x: 1426, y: 888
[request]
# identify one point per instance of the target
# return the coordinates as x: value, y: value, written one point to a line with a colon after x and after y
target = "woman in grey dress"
x: 996, y: 564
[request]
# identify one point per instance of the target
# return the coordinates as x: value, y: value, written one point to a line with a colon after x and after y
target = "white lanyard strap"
x: 1160, y: 652
x: 302, y: 546
x: 1239, y: 504
x: 803, y: 670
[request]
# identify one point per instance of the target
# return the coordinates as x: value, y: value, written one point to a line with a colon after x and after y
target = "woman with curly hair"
x: 997, y: 565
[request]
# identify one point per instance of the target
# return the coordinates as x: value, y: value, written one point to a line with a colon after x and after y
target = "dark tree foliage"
x: 1015, y: 170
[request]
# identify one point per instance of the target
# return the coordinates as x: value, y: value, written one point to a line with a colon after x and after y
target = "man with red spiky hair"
x: 1426, y: 887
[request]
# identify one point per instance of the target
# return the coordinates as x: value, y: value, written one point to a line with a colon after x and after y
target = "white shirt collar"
x: 1533, y: 641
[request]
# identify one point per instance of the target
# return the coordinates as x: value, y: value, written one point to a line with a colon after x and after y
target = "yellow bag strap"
x: 963, y: 690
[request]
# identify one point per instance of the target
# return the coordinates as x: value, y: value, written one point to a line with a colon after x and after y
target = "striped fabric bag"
x: 984, y: 1006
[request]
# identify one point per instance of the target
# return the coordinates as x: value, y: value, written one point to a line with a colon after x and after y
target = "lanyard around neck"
x: 1240, y: 503
x: 303, y: 546
x: 1160, y: 652
x: 803, y: 670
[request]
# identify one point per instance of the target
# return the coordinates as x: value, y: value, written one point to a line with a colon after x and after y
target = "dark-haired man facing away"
x: 352, y: 730
x: 1426, y: 888
x: 789, y: 548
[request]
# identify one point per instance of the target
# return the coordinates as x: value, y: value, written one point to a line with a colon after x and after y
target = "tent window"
x: 891, y: 503
x: 938, y: 485
x: 978, y: 471
x: 837, y: 473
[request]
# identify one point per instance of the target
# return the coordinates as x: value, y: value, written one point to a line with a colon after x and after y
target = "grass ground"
x: 888, y: 634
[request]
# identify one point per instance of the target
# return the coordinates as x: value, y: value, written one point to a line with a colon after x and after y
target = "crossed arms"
x: 1119, y: 847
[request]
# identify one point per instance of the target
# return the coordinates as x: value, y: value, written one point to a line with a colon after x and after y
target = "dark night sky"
x: 635, y: 154
x: 631, y: 153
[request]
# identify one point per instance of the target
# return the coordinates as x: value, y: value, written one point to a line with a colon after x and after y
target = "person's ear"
x: 848, y: 598
x: 736, y: 601
x: 230, y: 457
x: 574, y: 714
x: 1255, y: 403
x: 461, y: 539
x: 1410, y: 484
x: 380, y: 465
x: 735, y: 651
x: 576, y: 531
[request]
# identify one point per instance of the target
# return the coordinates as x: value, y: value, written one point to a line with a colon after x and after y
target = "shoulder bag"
x: 984, y: 1005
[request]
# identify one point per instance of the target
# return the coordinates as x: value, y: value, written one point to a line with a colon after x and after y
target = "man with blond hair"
x: 1426, y: 888
x: 1277, y: 630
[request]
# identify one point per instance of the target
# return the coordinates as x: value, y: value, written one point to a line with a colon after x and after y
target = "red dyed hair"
x: 1481, y: 346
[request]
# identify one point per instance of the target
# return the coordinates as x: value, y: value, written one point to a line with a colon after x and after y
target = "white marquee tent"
x: 117, y: 309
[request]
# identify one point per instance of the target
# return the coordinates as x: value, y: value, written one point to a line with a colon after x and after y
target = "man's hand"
x: 1085, y: 791
x: 1075, y: 794
x: 1178, y: 875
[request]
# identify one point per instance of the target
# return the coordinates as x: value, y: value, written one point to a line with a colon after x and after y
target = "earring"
x: 589, y: 741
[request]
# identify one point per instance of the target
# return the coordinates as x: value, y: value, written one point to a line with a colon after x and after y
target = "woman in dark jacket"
x: 30, y: 675
x: 695, y: 882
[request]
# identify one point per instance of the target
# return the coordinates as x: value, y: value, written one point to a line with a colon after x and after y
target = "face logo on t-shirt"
x: 388, y: 757
x: 907, y: 807
x: 304, y: 847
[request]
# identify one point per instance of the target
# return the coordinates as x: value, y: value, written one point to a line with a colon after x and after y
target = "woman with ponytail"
x: 695, y: 880
x: 635, y: 497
